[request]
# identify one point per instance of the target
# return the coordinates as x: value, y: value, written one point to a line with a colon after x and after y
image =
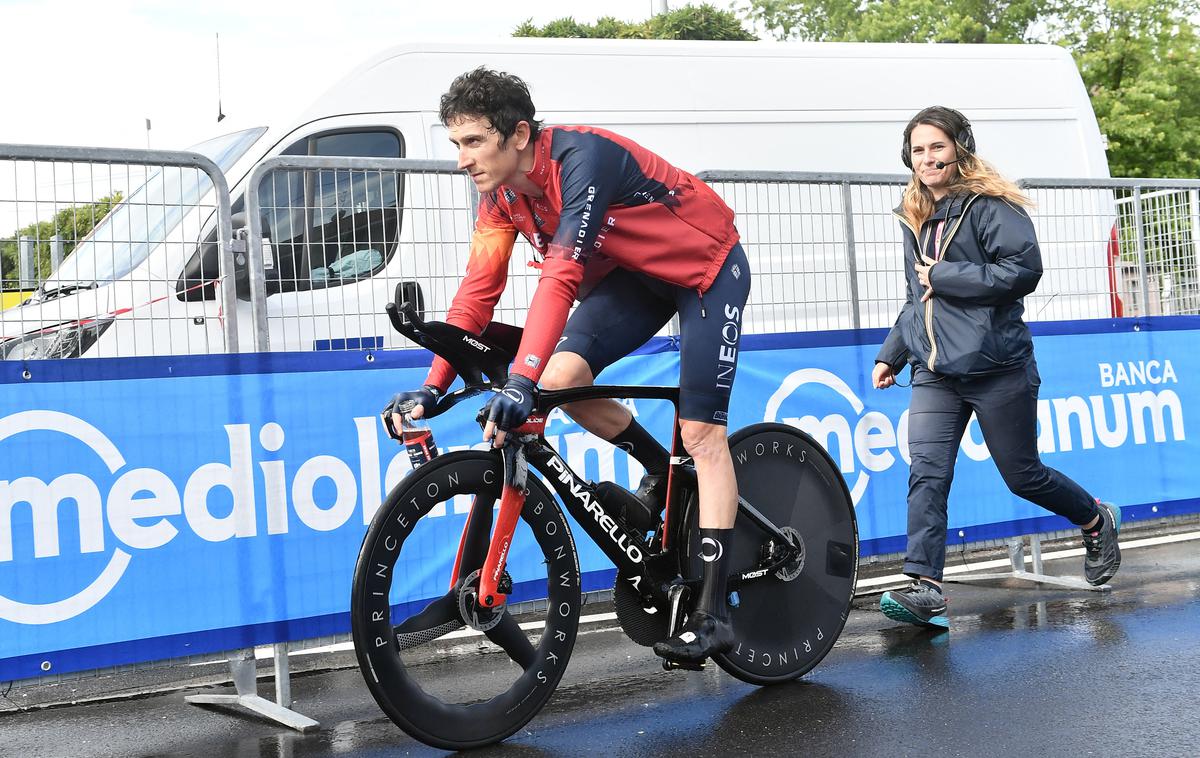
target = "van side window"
x: 326, y: 228
x: 332, y: 227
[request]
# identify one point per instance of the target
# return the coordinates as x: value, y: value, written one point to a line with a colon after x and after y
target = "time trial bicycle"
x: 793, y: 564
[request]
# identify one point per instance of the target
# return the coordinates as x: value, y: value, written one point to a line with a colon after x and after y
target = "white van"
x: 341, y: 241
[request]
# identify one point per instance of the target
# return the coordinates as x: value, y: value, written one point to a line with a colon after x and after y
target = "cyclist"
x: 636, y: 240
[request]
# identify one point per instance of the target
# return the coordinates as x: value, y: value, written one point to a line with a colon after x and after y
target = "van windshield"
x: 143, y: 220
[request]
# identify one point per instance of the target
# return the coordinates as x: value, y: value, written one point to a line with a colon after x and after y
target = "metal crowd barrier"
x: 824, y: 248
x: 328, y: 239
x: 1150, y: 229
x: 92, y: 221
x: 826, y: 252
x: 340, y: 233
x: 321, y: 270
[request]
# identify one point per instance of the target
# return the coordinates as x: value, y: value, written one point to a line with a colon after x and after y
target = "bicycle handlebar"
x: 482, y: 364
x: 476, y: 358
x: 482, y: 361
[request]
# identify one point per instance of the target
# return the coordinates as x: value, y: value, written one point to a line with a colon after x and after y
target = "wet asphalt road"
x: 1023, y: 671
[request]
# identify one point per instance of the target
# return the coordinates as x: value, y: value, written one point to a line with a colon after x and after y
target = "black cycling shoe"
x: 703, y: 636
x: 653, y: 492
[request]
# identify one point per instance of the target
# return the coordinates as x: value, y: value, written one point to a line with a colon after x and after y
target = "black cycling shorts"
x: 626, y: 309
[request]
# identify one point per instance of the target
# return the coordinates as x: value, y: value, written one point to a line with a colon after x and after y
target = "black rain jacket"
x: 972, y: 325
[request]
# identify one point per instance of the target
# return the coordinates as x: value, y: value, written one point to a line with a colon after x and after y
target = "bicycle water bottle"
x: 418, y: 440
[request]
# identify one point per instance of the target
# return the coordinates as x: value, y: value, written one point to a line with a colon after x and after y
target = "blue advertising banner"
x: 158, y: 507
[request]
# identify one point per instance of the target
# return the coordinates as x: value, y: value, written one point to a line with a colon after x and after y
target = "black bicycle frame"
x: 627, y: 548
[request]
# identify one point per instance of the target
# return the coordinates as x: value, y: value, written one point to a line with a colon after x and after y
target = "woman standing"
x: 971, y: 256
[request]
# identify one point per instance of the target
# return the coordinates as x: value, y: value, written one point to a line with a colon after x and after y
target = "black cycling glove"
x: 511, y: 406
x: 426, y: 396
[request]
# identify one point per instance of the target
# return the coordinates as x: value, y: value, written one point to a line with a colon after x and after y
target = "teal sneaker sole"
x: 898, y: 612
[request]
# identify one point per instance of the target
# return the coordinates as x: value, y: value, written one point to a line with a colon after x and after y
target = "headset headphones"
x: 948, y: 120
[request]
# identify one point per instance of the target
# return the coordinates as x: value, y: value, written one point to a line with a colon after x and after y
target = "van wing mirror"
x: 241, y: 270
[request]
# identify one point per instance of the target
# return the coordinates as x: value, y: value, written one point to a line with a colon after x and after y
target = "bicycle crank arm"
x: 765, y: 568
x: 759, y: 520
x: 678, y: 593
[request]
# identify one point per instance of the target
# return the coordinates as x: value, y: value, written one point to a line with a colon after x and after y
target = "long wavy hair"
x: 974, y: 176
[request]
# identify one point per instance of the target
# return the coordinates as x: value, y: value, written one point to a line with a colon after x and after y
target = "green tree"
x: 71, y: 224
x: 689, y: 22
x: 1139, y: 59
x: 971, y: 21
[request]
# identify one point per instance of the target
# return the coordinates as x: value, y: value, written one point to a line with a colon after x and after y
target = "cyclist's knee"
x: 566, y: 370
x: 702, y: 440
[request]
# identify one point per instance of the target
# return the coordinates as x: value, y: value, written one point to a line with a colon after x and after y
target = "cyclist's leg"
x: 710, y: 332
x: 613, y: 320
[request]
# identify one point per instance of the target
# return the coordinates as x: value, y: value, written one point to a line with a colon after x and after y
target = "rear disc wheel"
x: 786, y: 622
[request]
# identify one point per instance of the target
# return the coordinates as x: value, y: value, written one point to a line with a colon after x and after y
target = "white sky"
x: 90, y: 72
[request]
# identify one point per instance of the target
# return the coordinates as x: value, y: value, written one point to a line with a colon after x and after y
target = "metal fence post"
x: 245, y: 682
x: 56, y: 252
x: 851, y: 254
x: 1143, y: 270
x: 25, y: 275
x: 1193, y: 299
x: 283, y: 675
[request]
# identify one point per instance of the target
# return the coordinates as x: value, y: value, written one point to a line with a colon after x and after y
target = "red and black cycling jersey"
x: 606, y: 201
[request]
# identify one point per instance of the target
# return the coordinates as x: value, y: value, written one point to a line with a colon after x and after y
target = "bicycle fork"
x: 494, y: 584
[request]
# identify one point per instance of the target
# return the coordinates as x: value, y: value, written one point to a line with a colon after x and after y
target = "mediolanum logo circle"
x: 43, y: 499
x: 861, y: 442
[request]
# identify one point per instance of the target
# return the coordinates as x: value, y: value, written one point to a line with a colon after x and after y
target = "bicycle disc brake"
x: 644, y: 625
x: 479, y: 619
x: 793, y: 568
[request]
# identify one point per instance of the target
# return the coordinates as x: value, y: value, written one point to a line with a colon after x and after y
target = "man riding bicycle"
x: 636, y: 240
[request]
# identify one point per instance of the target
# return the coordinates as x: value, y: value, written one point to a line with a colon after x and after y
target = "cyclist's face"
x: 928, y: 145
x: 489, y: 160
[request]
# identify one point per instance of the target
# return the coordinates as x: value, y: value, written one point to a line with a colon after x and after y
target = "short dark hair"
x: 954, y: 124
x: 503, y: 99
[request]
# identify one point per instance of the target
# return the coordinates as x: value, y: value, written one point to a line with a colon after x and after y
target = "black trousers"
x: 1006, y: 406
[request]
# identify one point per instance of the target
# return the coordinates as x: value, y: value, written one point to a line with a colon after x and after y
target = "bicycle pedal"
x: 689, y: 666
